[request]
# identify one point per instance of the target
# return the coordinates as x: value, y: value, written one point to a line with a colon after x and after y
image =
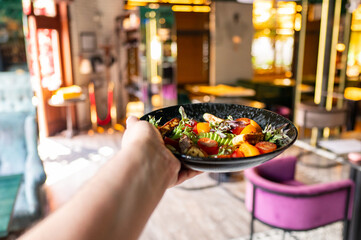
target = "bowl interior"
x: 196, y: 111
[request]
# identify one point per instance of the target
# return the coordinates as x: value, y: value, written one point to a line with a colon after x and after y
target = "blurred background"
x: 130, y: 57
x: 71, y: 71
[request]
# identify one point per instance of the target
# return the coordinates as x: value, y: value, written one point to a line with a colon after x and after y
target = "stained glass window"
x: 44, y: 8
x: 26, y: 6
x: 49, y: 58
x: 272, y: 47
x: 354, y: 54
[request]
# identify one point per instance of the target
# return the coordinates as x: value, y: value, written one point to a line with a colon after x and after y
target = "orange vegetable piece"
x: 248, y: 150
x: 255, y: 124
x: 249, y: 129
x: 203, y: 127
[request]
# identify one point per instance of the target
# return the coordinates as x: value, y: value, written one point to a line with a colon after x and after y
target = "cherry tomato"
x: 195, y: 129
x: 266, y: 147
x: 203, y: 127
x: 239, y: 128
x: 208, y: 145
x: 237, y: 153
x: 173, y: 143
x: 191, y: 123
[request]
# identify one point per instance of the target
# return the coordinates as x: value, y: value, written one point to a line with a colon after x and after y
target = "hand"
x: 141, y: 135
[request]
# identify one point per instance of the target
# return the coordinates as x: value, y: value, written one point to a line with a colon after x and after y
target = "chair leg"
x: 346, y: 225
x: 252, y: 228
x: 284, y: 235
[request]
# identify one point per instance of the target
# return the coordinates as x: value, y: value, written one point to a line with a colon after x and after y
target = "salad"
x: 220, y: 138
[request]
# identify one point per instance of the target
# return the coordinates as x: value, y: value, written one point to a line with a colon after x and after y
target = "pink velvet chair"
x: 274, y: 197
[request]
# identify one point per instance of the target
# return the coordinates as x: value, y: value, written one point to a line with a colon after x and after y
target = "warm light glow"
x: 195, y: 2
x: 201, y: 9
x: 262, y: 13
x: 163, y: 33
x: 321, y: 52
x: 353, y: 93
x: 85, y: 66
x: 298, y: 22
x: 288, y: 74
x: 356, y: 19
x: 353, y: 71
x: 135, y: 109
x: 153, y: 6
x: 119, y: 127
x: 156, y: 80
x: 100, y: 130
x: 142, y: 1
x: 133, y: 5
x: 156, y: 100
x: 174, y: 49
x: 93, y: 110
x: 182, y: 8
x: 284, y: 31
x: 354, y: 52
x: 189, y: 8
x: 131, y: 22
x: 236, y: 39
x: 285, y: 15
x: 155, y: 49
x: 180, y: 1
x: 263, y: 53
x: 199, y: 2
x: 274, y: 24
x: 340, y: 47
x: 283, y: 82
x: 152, y: 14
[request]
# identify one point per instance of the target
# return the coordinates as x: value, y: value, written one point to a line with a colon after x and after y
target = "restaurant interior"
x: 72, y: 71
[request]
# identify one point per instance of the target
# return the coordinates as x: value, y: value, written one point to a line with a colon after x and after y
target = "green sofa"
x: 18, y: 147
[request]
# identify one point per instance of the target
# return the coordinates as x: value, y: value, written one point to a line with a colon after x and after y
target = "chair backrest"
x: 16, y: 92
x: 311, y: 115
x: 295, y: 207
x: 16, y: 112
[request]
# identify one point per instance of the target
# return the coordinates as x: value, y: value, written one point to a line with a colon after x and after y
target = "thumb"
x: 131, y: 121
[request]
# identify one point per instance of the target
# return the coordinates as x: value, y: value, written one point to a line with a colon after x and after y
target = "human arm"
x: 118, y: 201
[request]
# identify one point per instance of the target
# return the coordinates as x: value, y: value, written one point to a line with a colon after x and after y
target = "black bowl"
x: 196, y: 111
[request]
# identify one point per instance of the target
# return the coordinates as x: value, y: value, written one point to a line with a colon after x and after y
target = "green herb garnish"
x: 277, y: 136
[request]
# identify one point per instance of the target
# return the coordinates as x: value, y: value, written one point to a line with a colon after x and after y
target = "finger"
x: 131, y: 121
x: 186, y: 174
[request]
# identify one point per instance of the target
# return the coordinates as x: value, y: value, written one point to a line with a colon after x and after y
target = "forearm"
x: 115, y: 204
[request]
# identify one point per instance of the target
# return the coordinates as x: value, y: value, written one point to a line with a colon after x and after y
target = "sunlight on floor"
x: 63, y: 159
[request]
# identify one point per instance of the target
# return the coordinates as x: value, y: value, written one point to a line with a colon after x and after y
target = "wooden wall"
x: 192, y: 38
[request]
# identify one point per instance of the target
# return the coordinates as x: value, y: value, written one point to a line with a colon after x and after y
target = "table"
x: 221, y: 90
x: 68, y: 103
x: 223, y: 94
x: 354, y: 230
x: 9, y: 187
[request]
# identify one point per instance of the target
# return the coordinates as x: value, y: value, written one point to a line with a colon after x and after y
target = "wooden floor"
x: 202, y: 208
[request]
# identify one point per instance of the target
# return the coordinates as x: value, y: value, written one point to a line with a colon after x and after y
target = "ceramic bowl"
x: 196, y: 111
